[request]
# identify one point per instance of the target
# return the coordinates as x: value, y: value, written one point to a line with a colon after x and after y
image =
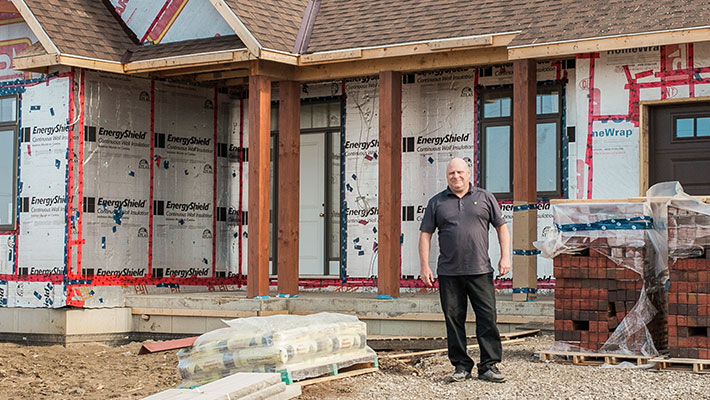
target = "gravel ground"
x: 95, y: 371
x: 427, y: 378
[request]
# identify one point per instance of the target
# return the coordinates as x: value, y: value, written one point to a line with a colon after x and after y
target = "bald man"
x: 462, y: 213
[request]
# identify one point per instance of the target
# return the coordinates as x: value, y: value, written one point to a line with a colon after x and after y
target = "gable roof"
x: 78, y: 27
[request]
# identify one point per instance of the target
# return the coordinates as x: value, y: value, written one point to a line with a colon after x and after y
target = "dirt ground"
x: 97, y: 371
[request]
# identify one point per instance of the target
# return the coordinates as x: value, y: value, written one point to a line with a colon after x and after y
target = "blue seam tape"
x: 524, y: 290
x: 260, y: 297
x: 524, y: 207
x: 385, y: 297
x: 635, y: 223
x: 526, y: 252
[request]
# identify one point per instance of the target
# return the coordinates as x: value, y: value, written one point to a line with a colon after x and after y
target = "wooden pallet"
x: 682, y: 364
x: 380, y: 342
x: 580, y: 358
x: 331, y: 370
x: 354, y: 370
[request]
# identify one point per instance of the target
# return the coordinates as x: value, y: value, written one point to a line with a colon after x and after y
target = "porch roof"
x: 311, y: 32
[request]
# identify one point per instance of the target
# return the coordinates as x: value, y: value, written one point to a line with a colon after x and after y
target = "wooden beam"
x: 404, y: 63
x: 591, y: 45
x: 524, y: 177
x: 35, y: 63
x: 99, y: 65
x: 202, y: 69
x: 259, y: 185
x: 272, y: 69
x: 221, y: 75
x: 178, y: 62
x: 422, y: 48
x: 390, y: 184
x: 289, y: 186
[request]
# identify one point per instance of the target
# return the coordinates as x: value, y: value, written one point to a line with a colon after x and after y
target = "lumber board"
x: 359, y: 369
x: 383, y: 342
x: 438, y: 351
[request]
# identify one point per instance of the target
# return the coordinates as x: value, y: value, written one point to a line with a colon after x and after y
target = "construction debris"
x: 240, y: 386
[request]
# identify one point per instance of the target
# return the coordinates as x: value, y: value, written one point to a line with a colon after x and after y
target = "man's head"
x: 458, y: 175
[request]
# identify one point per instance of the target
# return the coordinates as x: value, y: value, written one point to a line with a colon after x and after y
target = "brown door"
x: 680, y: 146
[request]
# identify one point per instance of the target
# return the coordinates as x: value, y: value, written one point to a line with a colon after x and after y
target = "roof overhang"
x: 409, y: 49
x: 616, y: 42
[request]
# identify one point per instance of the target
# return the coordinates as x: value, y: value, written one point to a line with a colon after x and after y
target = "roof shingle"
x: 82, y: 28
x: 274, y: 24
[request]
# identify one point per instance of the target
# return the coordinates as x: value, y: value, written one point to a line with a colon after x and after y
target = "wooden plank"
x: 404, y: 63
x: 443, y: 350
x: 592, y: 45
x: 99, y: 65
x: 222, y: 75
x: 340, y: 375
x: 382, y: 342
x: 390, y: 184
x: 259, y: 185
x: 289, y: 186
x: 524, y: 174
x: 330, y: 56
x: 460, y: 43
x: 186, y: 312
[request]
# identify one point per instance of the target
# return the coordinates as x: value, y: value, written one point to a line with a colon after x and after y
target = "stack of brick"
x: 689, y: 290
x: 593, y: 294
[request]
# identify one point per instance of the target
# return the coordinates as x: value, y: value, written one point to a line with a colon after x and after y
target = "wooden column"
x: 524, y: 178
x: 390, y: 185
x: 289, y: 186
x: 259, y: 186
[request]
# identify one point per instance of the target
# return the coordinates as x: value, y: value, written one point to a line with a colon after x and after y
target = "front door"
x: 312, y: 205
x: 680, y: 146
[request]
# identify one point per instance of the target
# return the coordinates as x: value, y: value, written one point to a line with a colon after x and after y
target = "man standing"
x: 462, y: 214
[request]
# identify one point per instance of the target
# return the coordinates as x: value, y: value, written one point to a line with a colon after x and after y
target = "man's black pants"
x: 455, y: 292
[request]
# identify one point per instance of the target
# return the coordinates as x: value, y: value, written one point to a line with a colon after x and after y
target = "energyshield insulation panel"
x: 116, y: 169
x: 183, y: 181
x: 45, y: 133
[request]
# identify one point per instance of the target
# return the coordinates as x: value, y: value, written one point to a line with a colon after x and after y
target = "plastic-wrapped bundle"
x: 302, y: 344
x: 638, y: 236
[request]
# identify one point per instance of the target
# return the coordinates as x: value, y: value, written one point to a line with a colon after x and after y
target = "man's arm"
x: 424, y: 247
x: 504, y: 239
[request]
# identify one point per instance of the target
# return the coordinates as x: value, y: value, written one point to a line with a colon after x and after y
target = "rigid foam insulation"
x: 183, y: 180
x: 43, y: 158
x: 116, y: 165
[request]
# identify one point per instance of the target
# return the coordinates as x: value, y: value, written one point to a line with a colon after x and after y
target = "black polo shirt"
x: 463, y: 230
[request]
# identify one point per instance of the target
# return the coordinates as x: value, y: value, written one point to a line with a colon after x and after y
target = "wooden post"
x: 524, y: 178
x: 289, y: 186
x: 390, y: 185
x: 259, y: 185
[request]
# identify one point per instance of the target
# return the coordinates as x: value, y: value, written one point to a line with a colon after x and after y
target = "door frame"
x: 644, y: 135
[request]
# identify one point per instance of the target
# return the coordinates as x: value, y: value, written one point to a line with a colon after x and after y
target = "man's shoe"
x: 460, y: 375
x: 492, y: 374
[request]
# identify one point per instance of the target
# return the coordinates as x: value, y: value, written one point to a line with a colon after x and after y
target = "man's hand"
x: 503, y: 266
x: 427, y: 276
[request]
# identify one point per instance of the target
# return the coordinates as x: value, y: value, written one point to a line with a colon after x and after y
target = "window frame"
x: 12, y: 126
x: 556, y: 118
x: 694, y: 117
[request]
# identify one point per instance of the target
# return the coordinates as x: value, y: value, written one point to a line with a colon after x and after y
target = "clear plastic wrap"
x: 640, y: 236
x: 296, y: 346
